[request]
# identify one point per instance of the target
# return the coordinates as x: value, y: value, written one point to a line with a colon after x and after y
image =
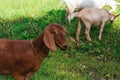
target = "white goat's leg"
x: 69, y: 19
x: 87, y: 30
x: 67, y: 14
x: 78, y: 31
x: 67, y: 11
x: 101, y: 30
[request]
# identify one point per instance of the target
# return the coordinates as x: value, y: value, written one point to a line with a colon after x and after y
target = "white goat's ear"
x: 49, y: 40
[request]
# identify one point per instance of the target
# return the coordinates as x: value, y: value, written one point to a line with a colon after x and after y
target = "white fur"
x: 79, y: 4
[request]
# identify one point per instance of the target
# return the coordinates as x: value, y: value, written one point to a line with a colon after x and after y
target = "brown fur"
x: 22, y: 58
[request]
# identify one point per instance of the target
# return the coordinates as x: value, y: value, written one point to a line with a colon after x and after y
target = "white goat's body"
x: 92, y: 16
x: 79, y: 4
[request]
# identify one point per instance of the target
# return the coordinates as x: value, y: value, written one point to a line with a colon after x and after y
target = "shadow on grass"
x: 29, y: 27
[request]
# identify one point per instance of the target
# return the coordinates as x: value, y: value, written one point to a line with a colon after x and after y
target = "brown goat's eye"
x: 53, y: 32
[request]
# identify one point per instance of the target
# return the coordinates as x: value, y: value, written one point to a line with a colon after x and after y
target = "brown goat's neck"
x: 40, y: 48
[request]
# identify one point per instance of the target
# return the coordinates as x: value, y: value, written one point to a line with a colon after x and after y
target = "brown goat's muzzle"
x: 62, y: 44
x: 64, y: 47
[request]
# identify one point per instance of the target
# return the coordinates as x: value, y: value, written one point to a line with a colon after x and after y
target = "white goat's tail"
x: 117, y: 3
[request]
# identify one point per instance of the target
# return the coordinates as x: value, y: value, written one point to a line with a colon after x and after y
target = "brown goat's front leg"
x: 78, y: 31
x: 87, y: 29
x: 101, y: 30
x: 28, y: 76
x: 19, y: 77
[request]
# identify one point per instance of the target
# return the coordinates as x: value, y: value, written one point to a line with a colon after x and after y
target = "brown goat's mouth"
x: 64, y: 47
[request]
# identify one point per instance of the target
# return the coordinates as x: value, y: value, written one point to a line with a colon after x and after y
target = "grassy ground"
x: 96, y: 60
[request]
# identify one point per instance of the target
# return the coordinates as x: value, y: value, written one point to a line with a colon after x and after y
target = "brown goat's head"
x: 55, y: 35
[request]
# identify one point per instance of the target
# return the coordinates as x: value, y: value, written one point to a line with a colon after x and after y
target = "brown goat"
x: 22, y: 58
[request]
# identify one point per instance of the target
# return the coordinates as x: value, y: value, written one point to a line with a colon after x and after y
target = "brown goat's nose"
x: 65, y: 47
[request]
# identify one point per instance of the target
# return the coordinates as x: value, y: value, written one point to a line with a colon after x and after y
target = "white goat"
x: 72, y: 5
x: 93, y: 16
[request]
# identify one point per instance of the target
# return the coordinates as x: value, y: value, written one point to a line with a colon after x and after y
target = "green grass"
x: 26, y: 19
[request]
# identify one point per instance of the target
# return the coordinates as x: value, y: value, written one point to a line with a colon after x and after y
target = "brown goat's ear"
x: 49, y: 40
